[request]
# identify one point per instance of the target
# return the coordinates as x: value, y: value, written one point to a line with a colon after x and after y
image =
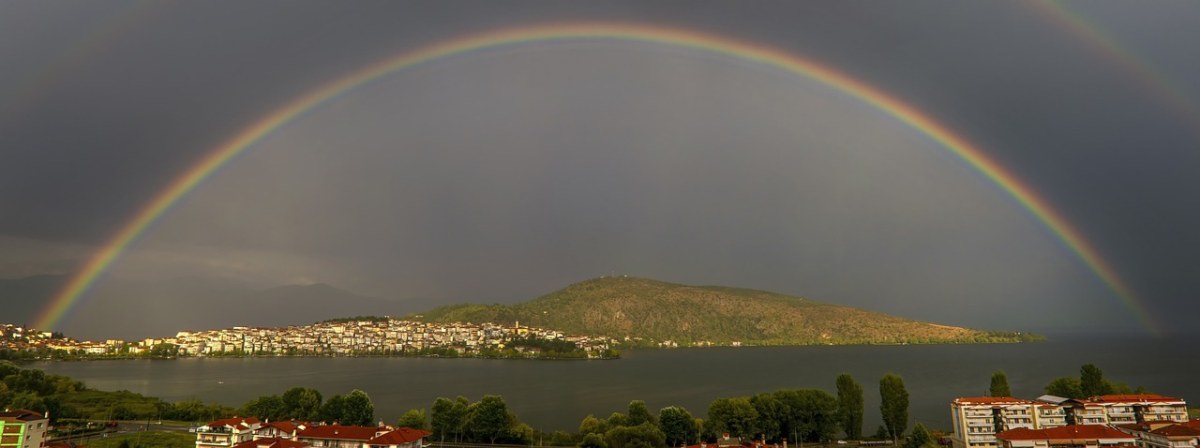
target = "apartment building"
x: 1139, y: 408
x: 976, y: 420
x: 23, y: 429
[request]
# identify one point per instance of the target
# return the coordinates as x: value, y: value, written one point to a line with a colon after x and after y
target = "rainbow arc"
x: 745, y: 51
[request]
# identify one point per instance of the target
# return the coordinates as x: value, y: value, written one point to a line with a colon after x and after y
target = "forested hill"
x: 655, y: 311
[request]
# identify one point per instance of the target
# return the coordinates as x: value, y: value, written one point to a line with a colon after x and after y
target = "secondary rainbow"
x: 746, y: 51
x: 1167, y: 92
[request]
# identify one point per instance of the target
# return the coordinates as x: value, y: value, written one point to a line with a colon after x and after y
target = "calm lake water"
x: 557, y: 394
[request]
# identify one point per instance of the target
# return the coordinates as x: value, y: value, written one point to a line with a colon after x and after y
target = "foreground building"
x: 21, y: 428
x: 978, y: 420
x: 227, y: 433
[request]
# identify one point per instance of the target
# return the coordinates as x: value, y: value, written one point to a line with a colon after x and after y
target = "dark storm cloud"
x: 101, y: 126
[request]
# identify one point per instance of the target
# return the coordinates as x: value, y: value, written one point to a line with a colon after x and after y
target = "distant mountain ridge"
x: 648, y: 312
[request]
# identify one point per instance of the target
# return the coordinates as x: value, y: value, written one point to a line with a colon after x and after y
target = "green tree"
x: 489, y: 418
x: 414, y: 418
x: 302, y: 403
x: 1065, y: 386
x: 811, y: 414
x: 638, y: 414
x: 445, y: 418
x: 593, y: 441
x: 920, y: 438
x: 267, y: 407
x: 893, y: 404
x: 677, y: 425
x: 591, y: 425
x: 999, y: 386
x: 850, y: 406
x: 614, y: 420
x: 333, y: 409
x: 645, y: 435
x: 357, y: 409
x: 772, y: 416
x: 735, y: 416
x: 1091, y: 381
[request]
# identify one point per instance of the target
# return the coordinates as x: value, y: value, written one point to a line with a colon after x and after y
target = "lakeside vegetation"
x: 649, y: 313
x: 799, y: 415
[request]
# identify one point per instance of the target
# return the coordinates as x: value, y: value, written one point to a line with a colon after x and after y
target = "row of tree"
x: 798, y: 414
x: 302, y: 403
x: 1090, y: 383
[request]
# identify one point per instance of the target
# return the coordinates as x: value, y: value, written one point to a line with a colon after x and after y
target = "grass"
x: 149, y: 439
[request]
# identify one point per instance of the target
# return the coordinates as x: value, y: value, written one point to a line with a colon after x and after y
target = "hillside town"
x: 1048, y: 421
x: 343, y: 337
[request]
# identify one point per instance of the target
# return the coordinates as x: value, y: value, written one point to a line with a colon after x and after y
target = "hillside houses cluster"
x: 253, y: 433
x: 1105, y: 421
x: 333, y: 338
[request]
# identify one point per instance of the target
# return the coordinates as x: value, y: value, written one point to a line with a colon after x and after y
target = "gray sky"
x: 501, y: 175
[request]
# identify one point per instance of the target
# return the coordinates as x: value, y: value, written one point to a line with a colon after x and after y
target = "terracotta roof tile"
x: 399, y: 436
x: 362, y: 433
x: 1072, y: 432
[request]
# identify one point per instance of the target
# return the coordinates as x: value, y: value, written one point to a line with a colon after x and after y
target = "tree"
x: 414, y: 418
x: 1067, y: 387
x: 644, y: 435
x: 638, y: 414
x: 266, y: 407
x: 358, y: 409
x: 1091, y: 381
x: 332, y: 410
x: 302, y: 403
x: 677, y: 425
x: 893, y: 405
x: 809, y: 414
x: 999, y: 386
x: 446, y: 417
x: 920, y: 438
x: 591, y: 425
x: 488, y: 418
x: 850, y: 406
x: 735, y: 416
x: 772, y: 415
x: 593, y: 441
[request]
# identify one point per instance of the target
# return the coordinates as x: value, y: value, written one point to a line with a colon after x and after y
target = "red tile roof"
x: 400, y: 436
x: 339, y: 432
x: 238, y: 422
x: 1132, y: 398
x: 991, y: 400
x: 271, y: 442
x: 1177, y: 431
x: 24, y: 415
x: 1071, y: 432
x: 283, y: 425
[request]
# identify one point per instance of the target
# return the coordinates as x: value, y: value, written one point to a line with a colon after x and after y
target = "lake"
x: 551, y: 395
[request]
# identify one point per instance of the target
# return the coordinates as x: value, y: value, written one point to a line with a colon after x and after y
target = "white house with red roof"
x: 284, y: 429
x: 227, y: 432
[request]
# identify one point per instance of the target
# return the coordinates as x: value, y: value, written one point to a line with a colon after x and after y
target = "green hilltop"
x: 645, y: 312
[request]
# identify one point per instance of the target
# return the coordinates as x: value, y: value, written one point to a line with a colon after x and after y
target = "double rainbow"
x: 745, y: 51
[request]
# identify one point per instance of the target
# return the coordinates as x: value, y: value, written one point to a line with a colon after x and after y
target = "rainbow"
x: 745, y: 51
x: 1167, y: 92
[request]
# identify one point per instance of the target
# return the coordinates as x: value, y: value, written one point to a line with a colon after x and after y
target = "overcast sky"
x: 498, y: 176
